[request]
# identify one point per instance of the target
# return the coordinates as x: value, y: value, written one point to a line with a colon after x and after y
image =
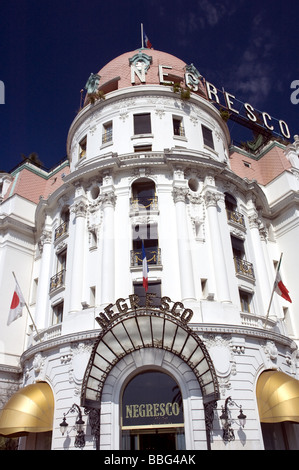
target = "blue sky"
x: 48, y: 49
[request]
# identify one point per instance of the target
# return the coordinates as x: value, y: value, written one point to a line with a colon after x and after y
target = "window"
x: 142, y: 123
x: 143, y: 148
x: 144, y: 195
x: 61, y: 261
x: 149, y: 235
x: 178, y: 127
x: 107, y: 133
x: 57, y: 313
x: 207, y: 137
x: 153, y: 288
x: 92, y: 296
x: 82, y: 147
x: 245, y: 300
x: 230, y: 202
x: 238, y: 247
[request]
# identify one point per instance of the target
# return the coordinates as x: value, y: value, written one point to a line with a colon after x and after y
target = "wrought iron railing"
x: 153, y: 257
x: 244, y: 267
x: 144, y: 203
x: 61, y: 230
x: 237, y: 217
x: 57, y: 280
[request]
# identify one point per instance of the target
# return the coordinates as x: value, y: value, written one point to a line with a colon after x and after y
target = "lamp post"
x: 226, y: 421
x: 80, y: 436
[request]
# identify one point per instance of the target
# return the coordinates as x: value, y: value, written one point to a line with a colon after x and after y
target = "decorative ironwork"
x: 145, y: 328
x: 144, y: 203
x: 95, y: 424
x: 153, y: 256
x: 244, y: 267
x: 234, y: 216
x: 57, y: 280
x: 61, y: 230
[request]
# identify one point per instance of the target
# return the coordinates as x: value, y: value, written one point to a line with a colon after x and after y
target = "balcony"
x: 61, y: 231
x: 144, y: 204
x: 153, y: 256
x: 57, y: 281
x: 244, y: 268
x: 235, y: 217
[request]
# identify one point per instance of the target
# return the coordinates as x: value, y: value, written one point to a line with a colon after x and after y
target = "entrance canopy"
x: 31, y: 409
x: 277, y: 397
x: 144, y: 328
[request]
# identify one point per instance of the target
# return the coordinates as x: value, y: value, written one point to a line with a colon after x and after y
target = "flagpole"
x: 142, y: 41
x: 27, y: 307
x: 273, y: 290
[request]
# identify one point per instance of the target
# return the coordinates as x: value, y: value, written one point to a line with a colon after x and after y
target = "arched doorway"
x: 152, y: 416
x: 152, y: 333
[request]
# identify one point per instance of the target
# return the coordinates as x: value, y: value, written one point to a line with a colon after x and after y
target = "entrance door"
x: 152, y: 413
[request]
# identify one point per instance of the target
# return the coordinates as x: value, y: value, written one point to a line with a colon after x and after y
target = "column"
x: 79, y: 210
x: 223, y: 294
x: 260, y: 264
x: 108, y: 250
x: 42, y: 296
x: 184, y: 249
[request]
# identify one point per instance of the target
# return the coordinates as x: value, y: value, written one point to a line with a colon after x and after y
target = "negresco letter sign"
x: 140, y: 64
x: 121, y: 306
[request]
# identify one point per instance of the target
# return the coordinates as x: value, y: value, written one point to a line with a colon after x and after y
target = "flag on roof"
x: 146, y: 41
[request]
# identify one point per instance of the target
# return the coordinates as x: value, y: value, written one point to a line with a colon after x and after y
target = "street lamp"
x: 80, y: 436
x: 228, y: 433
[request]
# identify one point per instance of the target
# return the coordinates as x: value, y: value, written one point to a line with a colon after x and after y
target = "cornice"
x: 199, y: 328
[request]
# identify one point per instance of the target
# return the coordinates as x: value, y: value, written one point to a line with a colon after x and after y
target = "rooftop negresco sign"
x: 140, y: 64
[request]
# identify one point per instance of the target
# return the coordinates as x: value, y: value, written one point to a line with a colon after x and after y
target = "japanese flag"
x: 16, y: 306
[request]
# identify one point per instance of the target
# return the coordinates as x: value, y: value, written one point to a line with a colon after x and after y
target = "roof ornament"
x: 92, y: 83
x: 141, y: 61
x: 192, y: 77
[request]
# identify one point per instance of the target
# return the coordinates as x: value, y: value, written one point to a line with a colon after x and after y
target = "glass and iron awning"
x: 147, y: 328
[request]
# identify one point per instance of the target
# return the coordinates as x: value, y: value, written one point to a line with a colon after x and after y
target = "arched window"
x: 230, y: 202
x: 152, y: 415
x: 144, y: 194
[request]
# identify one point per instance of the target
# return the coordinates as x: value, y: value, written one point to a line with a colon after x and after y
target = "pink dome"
x: 119, y: 69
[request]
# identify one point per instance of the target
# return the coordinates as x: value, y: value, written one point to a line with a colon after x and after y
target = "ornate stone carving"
x: 179, y: 194
x: 108, y: 199
x: 92, y: 83
x: 79, y: 209
x: 211, y: 198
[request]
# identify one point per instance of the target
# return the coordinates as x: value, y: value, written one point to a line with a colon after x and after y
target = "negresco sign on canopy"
x: 122, y: 306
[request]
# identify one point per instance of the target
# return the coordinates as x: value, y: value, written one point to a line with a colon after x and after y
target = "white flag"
x: 16, y: 306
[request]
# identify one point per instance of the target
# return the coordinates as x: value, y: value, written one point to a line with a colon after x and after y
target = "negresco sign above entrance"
x: 113, y: 311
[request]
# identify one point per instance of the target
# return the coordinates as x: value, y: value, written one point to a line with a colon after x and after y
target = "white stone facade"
x: 73, y: 256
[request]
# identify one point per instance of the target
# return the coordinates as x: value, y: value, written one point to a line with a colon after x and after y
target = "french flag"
x: 147, y: 42
x: 280, y: 288
x: 144, y: 269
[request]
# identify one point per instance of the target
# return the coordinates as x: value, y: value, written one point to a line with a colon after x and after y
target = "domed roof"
x: 120, y: 68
